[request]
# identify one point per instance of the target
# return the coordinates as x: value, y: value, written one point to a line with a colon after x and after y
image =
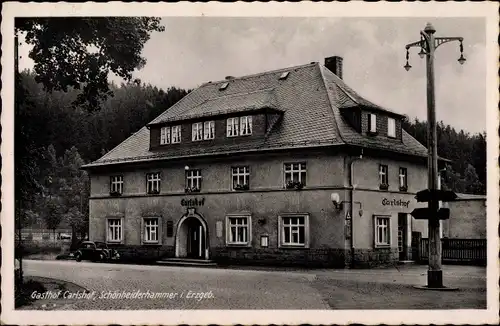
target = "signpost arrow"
x: 426, y: 195
x: 424, y: 213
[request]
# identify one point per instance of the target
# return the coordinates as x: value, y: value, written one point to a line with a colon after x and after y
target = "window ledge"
x: 144, y: 243
x: 382, y: 246
x: 114, y: 242
x: 290, y: 246
x: 239, y: 245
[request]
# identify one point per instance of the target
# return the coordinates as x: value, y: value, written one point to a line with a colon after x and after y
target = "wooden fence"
x: 467, y: 251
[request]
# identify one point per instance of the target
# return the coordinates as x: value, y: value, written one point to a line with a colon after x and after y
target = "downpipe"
x: 351, y: 195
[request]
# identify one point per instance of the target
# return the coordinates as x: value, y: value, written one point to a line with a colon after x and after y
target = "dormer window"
x: 391, y: 127
x: 165, y: 135
x: 209, y: 130
x: 233, y: 127
x: 197, y: 131
x: 372, y: 123
x: 176, y: 134
x: 223, y: 86
x: 246, y: 125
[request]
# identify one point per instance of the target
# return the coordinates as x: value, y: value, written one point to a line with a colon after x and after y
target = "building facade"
x: 284, y: 167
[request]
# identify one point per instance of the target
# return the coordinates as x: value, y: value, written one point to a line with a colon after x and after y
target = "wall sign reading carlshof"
x: 395, y: 202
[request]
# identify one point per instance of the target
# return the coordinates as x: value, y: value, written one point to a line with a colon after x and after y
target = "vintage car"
x: 95, y: 251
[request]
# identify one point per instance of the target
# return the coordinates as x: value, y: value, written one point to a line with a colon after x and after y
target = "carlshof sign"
x: 395, y: 202
x: 192, y: 202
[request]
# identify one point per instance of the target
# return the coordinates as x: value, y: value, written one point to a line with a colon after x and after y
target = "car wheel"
x: 78, y: 257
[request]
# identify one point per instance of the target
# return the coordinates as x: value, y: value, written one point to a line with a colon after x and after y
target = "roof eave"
x: 96, y: 165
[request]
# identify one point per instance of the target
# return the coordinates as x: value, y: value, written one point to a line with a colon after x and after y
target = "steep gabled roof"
x: 309, y: 100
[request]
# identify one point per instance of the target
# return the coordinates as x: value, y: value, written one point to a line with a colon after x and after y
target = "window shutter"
x: 142, y: 230
x: 160, y: 229
x: 106, y: 231
x: 170, y: 229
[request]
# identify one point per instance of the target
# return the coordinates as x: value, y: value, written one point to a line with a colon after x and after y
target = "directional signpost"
x: 433, y: 214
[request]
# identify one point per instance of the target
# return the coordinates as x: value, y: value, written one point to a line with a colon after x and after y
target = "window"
x: 165, y: 134
x: 391, y: 127
x: 372, y: 122
x: 197, y: 133
x: 153, y: 183
x: 284, y: 75
x: 223, y: 86
x: 116, y: 185
x: 151, y: 230
x: 295, y: 174
x: 246, y: 125
x: 209, y: 130
x: 233, y: 127
x: 294, y: 230
x: 238, y: 230
x: 241, y: 178
x: 383, y: 176
x: 176, y: 134
x: 403, y: 179
x: 114, y: 233
x: 193, y: 180
x: 382, y: 231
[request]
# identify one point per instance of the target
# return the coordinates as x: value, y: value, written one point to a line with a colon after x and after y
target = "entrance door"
x: 402, y: 236
x: 195, y: 239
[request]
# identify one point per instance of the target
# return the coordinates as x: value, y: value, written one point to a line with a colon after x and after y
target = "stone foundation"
x: 143, y: 253
x: 280, y: 257
x: 325, y: 257
x: 368, y: 258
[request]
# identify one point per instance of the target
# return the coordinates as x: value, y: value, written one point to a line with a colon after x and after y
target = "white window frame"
x: 116, y: 184
x: 114, y: 230
x: 282, y: 228
x: 240, y: 174
x: 382, y: 223
x: 197, y: 131
x: 193, y: 179
x: 208, y: 130
x: 165, y: 135
x: 176, y: 134
x: 246, y: 125
x: 232, y: 127
x: 153, y: 181
x: 383, y: 172
x: 403, y: 177
x: 153, y: 225
x: 373, y: 122
x: 236, y: 226
x: 391, y: 127
x: 295, y: 168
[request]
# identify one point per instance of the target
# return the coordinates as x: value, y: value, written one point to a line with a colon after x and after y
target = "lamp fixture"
x: 407, y: 66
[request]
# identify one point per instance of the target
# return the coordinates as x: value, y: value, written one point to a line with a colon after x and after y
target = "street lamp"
x: 428, y: 44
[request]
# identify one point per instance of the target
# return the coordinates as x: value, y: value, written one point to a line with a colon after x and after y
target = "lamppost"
x: 428, y: 44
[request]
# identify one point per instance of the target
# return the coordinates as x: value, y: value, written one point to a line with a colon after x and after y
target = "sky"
x: 194, y: 50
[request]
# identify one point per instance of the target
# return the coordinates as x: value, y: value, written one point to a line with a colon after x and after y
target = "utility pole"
x: 428, y: 45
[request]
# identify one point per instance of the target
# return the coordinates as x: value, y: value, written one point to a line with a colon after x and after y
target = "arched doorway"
x: 191, y: 239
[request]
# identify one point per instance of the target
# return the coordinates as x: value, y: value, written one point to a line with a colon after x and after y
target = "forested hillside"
x: 53, y: 138
x: 467, y: 171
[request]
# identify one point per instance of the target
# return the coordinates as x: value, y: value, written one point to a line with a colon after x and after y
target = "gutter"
x: 351, y: 197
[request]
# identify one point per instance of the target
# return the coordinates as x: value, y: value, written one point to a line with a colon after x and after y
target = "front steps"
x: 186, y: 262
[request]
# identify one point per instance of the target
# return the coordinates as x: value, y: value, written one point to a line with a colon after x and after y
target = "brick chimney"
x: 334, y: 64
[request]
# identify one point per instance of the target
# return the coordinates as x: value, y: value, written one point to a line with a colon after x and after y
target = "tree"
x: 80, y: 52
